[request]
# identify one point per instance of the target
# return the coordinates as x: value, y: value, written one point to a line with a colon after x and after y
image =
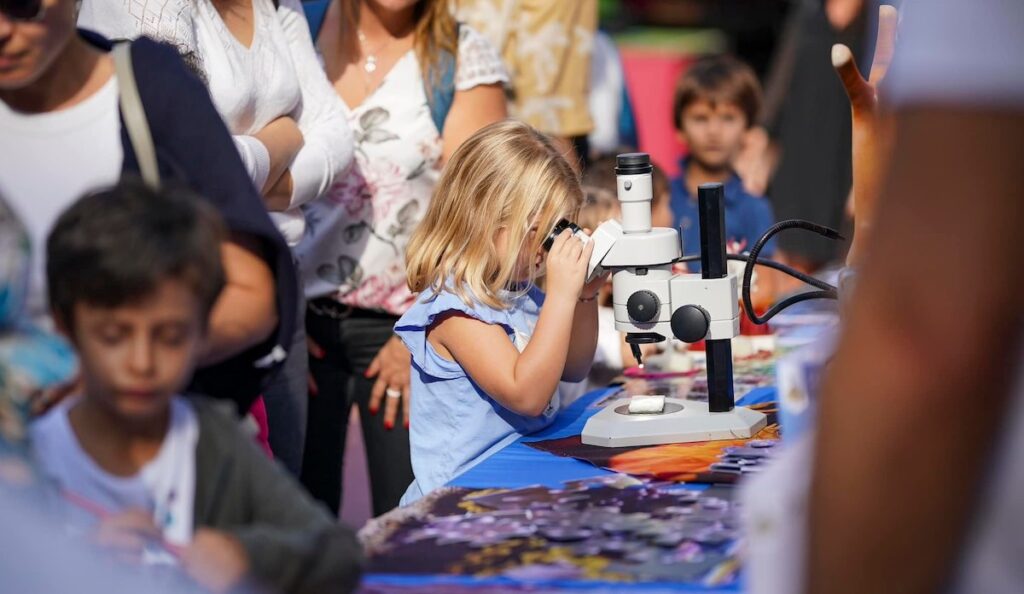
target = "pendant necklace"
x: 370, y: 60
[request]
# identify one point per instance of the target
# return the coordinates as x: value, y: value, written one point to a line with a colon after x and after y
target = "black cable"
x: 748, y: 272
x: 826, y: 291
x: 810, y: 280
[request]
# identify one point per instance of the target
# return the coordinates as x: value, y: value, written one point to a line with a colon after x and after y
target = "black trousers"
x: 350, y: 344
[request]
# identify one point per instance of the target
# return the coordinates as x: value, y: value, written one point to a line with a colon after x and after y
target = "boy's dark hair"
x: 718, y: 79
x: 115, y: 246
x: 600, y: 173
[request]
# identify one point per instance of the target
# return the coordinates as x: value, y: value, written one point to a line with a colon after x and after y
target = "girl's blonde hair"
x: 506, y: 176
x: 436, y: 32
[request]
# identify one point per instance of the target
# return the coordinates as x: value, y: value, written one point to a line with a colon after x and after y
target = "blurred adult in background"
x: 914, y: 475
x: 259, y: 63
x: 414, y: 85
x: 547, y: 47
x: 61, y: 134
x: 929, y: 375
x: 802, y: 148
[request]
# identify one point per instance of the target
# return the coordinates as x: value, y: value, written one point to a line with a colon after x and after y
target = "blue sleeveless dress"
x: 455, y: 425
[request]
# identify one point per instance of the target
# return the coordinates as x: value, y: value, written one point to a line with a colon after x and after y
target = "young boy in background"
x: 156, y: 476
x: 716, y: 102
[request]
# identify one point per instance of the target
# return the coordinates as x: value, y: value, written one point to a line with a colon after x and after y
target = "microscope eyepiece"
x: 633, y: 164
x: 560, y: 226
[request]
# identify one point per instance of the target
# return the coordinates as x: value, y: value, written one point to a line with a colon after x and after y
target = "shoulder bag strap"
x: 134, y: 115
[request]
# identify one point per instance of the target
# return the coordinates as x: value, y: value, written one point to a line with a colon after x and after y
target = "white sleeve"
x: 774, y: 512
x: 959, y: 52
x: 478, y: 62
x: 255, y: 157
x: 327, y: 152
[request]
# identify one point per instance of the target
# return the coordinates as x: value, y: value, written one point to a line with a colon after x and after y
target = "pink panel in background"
x: 651, y: 79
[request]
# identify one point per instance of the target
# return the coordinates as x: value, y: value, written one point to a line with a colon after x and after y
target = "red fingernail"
x: 389, y: 425
x: 407, y: 424
x: 373, y: 410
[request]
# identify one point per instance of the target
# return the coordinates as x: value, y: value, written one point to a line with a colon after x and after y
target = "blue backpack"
x: 439, y: 97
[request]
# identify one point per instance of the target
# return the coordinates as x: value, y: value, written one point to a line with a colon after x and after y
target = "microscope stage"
x: 681, y: 421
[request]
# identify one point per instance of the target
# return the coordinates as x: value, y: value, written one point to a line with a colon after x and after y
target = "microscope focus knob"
x: 643, y: 306
x: 690, y: 323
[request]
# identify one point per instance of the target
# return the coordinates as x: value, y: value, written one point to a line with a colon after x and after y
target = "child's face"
x: 714, y: 132
x: 135, y: 357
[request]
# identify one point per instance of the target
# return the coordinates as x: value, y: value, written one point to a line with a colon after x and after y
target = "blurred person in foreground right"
x: 927, y: 379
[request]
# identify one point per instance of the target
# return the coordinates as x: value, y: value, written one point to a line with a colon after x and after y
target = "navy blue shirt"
x: 747, y: 217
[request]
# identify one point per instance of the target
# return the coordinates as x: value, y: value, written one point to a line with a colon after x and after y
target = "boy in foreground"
x: 155, y: 476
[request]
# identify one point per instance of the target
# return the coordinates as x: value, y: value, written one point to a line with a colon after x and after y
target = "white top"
x: 166, y: 486
x: 83, y: 142
x: 355, y: 243
x: 957, y: 52
x: 277, y: 75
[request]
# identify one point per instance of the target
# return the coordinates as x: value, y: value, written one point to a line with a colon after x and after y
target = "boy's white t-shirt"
x: 165, y: 486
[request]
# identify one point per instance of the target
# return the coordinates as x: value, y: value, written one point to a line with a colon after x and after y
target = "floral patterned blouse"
x: 356, y: 234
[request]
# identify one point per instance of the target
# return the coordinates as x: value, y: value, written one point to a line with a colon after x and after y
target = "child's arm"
x: 583, y: 343
x: 291, y: 543
x: 522, y: 382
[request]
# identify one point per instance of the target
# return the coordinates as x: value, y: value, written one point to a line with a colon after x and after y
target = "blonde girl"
x: 391, y: 62
x: 488, y: 347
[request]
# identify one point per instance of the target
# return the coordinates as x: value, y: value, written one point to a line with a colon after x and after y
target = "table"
x: 518, y: 466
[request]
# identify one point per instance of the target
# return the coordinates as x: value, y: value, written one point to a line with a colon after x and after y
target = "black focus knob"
x: 690, y: 323
x: 643, y: 306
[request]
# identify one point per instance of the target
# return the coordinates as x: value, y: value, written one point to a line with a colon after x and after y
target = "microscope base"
x: 681, y: 421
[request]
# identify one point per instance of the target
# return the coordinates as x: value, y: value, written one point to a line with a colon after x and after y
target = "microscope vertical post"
x: 713, y: 263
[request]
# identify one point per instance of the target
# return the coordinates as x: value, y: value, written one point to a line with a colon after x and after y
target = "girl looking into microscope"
x: 488, y: 347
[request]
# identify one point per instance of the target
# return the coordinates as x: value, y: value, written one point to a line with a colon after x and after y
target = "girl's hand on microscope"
x: 567, y: 266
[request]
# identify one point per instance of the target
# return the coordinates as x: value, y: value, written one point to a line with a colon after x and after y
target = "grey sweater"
x: 294, y: 544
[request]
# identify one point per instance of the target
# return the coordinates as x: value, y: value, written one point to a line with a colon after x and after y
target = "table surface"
x: 519, y: 465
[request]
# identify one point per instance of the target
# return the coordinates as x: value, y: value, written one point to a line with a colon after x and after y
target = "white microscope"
x: 651, y: 304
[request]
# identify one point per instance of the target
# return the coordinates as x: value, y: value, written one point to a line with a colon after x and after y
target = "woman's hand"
x: 567, y: 264
x: 216, y: 560
x: 392, y: 367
